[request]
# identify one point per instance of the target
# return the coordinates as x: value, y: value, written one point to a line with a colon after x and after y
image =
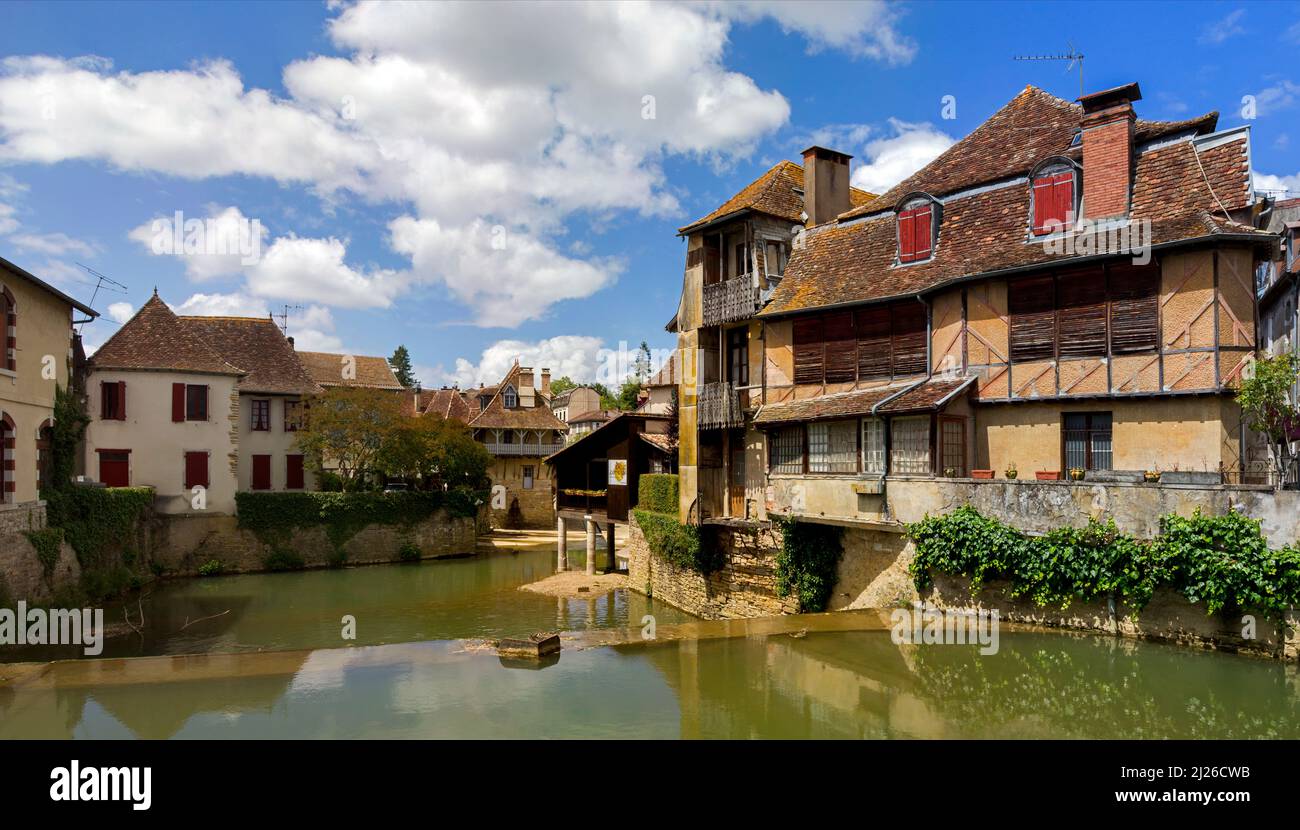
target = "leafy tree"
x: 562, y: 384
x: 1265, y: 399
x: 643, y: 365
x: 348, y: 429
x: 70, y: 422
x: 401, y: 364
x: 628, y: 394
x: 424, y: 446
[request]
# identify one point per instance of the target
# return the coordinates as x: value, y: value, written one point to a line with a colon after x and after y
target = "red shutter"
x: 121, y: 400
x: 1063, y: 191
x: 922, y: 233
x: 1044, y: 204
x: 293, y: 479
x: 808, y: 350
x: 196, y: 470
x: 874, y: 351
x: 907, y: 236
x: 841, y: 351
x: 178, y: 402
x: 107, y: 412
x: 261, y: 472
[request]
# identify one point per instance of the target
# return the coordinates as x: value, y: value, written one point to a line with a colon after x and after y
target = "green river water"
x: 265, y: 660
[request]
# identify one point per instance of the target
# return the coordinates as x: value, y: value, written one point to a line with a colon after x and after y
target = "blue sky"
x: 481, y: 182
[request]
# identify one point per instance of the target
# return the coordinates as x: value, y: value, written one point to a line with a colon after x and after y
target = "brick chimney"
x: 526, y: 386
x: 1108, y: 121
x: 825, y: 184
x: 546, y: 382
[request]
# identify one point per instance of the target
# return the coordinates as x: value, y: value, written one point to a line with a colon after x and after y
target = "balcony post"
x: 562, y: 545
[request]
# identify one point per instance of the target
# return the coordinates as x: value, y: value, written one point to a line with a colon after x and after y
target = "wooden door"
x: 736, y: 479
x: 115, y: 468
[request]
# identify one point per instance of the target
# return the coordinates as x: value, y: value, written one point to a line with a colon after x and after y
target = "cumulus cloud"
x: 1218, y: 31
x: 889, y: 160
x: 1275, y: 184
x: 576, y: 356
x: 1279, y: 96
x: 864, y: 29
x: 210, y: 246
x: 120, y: 312
x: 53, y: 244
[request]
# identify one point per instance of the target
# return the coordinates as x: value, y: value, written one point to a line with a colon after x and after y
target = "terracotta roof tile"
x: 840, y: 405
x: 927, y: 396
x: 371, y: 372
x: 258, y: 346
x: 449, y: 403
x: 496, y: 416
x: 778, y: 192
x: 156, y: 339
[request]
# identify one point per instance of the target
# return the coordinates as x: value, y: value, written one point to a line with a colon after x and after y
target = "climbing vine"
x: 807, y: 561
x: 47, y: 543
x: 683, y: 546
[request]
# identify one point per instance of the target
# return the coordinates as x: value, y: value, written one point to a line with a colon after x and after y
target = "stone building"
x: 574, y: 401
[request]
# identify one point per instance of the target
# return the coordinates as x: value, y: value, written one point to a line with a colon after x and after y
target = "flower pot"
x: 1076, y: 474
x: 1012, y: 474
x: 982, y: 474
x: 1048, y: 475
x: 949, y: 472
x: 1151, y: 476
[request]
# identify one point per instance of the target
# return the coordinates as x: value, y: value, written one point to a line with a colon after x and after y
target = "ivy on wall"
x: 1221, y: 561
x: 98, y: 523
x: 683, y: 546
x: 807, y: 561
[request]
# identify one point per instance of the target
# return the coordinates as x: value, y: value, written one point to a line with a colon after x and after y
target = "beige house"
x: 659, y: 395
x: 38, y: 341
x: 574, y: 401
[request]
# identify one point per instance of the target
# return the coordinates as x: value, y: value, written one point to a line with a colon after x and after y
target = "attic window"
x: 509, y: 398
x: 1053, y: 197
x: 918, y: 223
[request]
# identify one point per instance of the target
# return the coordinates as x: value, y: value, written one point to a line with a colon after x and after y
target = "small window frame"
x: 909, y: 208
x: 1050, y: 168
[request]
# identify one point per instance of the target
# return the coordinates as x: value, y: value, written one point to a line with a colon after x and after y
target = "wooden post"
x: 561, y: 546
x: 611, y: 565
x: 591, y: 545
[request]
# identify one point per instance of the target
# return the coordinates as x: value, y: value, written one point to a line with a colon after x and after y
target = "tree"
x: 643, y: 364
x: 562, y: 384
x: 424, y: 446
x: 349, y: 428
x: 628, y: 394
x: 70, y: 422
x: 1265, y: 399
x: 401, y: 364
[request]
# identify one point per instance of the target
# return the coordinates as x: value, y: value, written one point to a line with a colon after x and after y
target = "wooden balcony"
x: 720, y: 406
x: 730, y: 301
x: 530, y: 449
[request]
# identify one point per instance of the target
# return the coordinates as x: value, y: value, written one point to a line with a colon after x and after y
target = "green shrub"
x: 212, y: 567
x: 96, y: 522
x: 47, y: 542
x: 807, y: 561
x: 409, y: 552
x: 283, y: 559
x: 678, y: 544
x: 658, y: 492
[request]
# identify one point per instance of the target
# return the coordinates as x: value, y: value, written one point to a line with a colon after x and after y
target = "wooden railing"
x: 720, y: 406
x: 730, y: 301
x: 528, y: 449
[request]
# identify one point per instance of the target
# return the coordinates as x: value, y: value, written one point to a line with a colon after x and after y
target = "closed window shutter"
x: 1033, y: 319
x: 1134, y: 308
x: 293, y: 479
x: 1081, y: 298
x: 178, y: 402
x: 107, y: 412
x: 261, y: 472
x: 841, y: 352
x: 908, y: 338
x: 808, y: 350
x: 1063, y: 191
x: 907, y: 236
x: 121, y: 400
x: 196, y: 469
x: 922, y: 233
x: 1044, y: 203
x: 874, y: 348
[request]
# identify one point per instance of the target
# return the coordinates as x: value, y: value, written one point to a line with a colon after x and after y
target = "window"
x: 112, y: 401
x: 774, y: 258
x: 833, y: 447
x: 8, y: 328
x: 1134, y: 307
x: 115, y: 468
x: 295, y: 415
x: 952, y: 435
x: 261, y: 472
x: 741, y: 261
x: 1081, y: 318
x: 509, y: 398
x: 261, y: 415
x: 1032, y: 305
x: 841, y: 359
x: 1053, y: 199
x: 189, y: 402
x: 293, y: 473
x: 1085, y: 312
x: 528, y: 477
x: 916, y: 230
x: 196, y: 470
x: 1087, y: 440
x: 910, y: 450
x: 873, y: 446
x: 786, y: 451
x: 808, y: 350
x: 738, y: 356
x: 507, y: 436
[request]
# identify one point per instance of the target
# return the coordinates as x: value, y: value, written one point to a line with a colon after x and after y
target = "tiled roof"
x: 660, y: 441
x: 927, y: 396
x: 986, y: 231
x: 594, y: 416
x: 496, y: 416
x: 893, y: 399
x: 371, y: 372
x: 449, y: 403
x: 257, y: 345
x: 156, y: 339
x: 778, y: 192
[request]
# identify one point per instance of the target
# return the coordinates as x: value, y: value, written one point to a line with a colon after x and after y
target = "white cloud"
x: 864, y: 29
x: 120, y: 312
x: 211, y: 245
x: 53, y: 244
x: 1268, y: 181
x: 890, y: 160
x: 314, y: 270
x: 8, y: 224
x: 1292, y: 34
x: 576, y: 356
x: 1279, y: 96
x: 1218, y: 31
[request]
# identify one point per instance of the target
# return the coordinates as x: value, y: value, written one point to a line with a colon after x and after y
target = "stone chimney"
x: 546, y: 382
x: 825, y: 184
x: 1108, y: 122
x: 526, y: 386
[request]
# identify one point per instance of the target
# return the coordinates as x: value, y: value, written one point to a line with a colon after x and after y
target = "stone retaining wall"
x: 22, y: 575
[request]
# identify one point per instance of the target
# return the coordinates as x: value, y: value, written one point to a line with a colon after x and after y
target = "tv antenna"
x: 101, y: 282
x: 1072, y: 56
x: 284, y: 317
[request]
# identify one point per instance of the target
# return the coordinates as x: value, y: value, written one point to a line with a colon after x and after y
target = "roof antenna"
x: 1072, y: 56
x: 284, y: 317
x: 104, y: 282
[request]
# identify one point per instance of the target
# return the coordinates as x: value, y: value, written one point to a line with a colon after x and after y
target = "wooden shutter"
x: 907, y: 236
x: 261, y: 472
x: 1053, y: 201
x: 121, y: 400
x: 1033, y: 318
x: 178, y: 402
x: 293, y: 478
x: 712, y: 260
x: 1063, y: 195
x: 1081, y: 300
x: 908, y: 339
x: 808, y: 350
x: 107, y: 409
x: 1134, y: 307
x: 196, y: 469
x: 922, y: 232
x: 841, y: 348
x: 874, y: 348
x: 1044, y: 203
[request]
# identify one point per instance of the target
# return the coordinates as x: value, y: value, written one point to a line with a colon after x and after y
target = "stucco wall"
x: 158, y: 445
x: 275, y: 442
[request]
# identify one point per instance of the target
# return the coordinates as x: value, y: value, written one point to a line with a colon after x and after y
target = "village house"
x: 39, y: 344
x: 659, y: 395
x: 586, y: 422
x: 178, y: 403
x: 574, y: 401
x: 971, y: 321
x: 353, y: 371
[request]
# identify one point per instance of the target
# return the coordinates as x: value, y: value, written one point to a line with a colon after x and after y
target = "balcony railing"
x: 529, y: 449
x: 730, y: 301
x: 721, y: 406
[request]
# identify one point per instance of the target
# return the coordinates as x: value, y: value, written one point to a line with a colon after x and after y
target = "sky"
x: 496, y: 181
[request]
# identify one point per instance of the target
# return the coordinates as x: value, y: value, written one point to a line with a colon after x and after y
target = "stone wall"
x: 744, y: 587
x: 22, y: 575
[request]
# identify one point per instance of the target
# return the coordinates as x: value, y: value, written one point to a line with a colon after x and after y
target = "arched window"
x: 509, y: 398
x: 8, y: 444
x: 918, y: 228
x: 9, y: 327
x: 1053, y: 198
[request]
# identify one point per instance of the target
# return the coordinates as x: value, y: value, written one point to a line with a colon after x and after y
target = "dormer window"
x: 1054, y: 196
x: 918, y: 224
x: 509, y: 398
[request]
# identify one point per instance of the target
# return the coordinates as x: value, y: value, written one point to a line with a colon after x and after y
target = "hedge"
x: 658, y: 492
x: 680, y: 545
x: 1222, y: 561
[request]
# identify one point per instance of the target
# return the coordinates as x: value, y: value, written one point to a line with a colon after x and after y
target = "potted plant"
x: 1076, y: 474
x: 983, y: 474
x: 1048, y: 475
x: 1012, y: 472
x: 949, y: 472
x: 1151, y: 476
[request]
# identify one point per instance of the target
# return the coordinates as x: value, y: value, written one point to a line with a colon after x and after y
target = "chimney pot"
x: 825, y: 184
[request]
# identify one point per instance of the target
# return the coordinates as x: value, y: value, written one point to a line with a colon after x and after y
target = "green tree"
x: 1265, y: 399
x: 349, y: 429
x: 628, y: 394
x: 562, y: 384
x: 70, y: 422
x: 643, y: 365
x: 401, y: 364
